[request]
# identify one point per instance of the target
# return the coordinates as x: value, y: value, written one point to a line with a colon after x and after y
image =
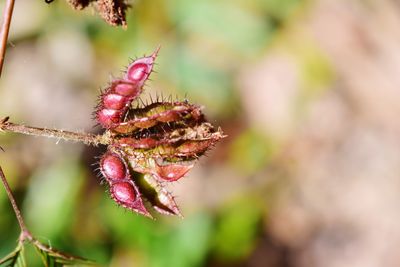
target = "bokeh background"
x: 307, y: 91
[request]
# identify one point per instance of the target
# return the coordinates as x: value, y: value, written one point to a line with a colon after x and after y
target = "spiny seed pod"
x: 117, y: 98
x: 159, y: 113
x: 127, y: 195
x: 123, y: 192
x: 112, y: 167
x: 122, y: 188
x: 162, y: 201
x: 172, y: 171
x: 149, y: 145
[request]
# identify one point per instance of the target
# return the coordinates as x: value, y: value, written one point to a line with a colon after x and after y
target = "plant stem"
x: 86, y: 138
x: 5, y: 28
x: 4, y: 31
x: 21, y: 222
x: 26, y: 235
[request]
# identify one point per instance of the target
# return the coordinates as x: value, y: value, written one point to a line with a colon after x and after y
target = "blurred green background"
x: 307, y: 92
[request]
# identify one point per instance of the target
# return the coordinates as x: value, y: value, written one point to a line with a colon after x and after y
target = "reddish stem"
x: 5, y: 29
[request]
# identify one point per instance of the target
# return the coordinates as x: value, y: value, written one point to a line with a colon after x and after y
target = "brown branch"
x: 86, y: 138
x: 5, y: 28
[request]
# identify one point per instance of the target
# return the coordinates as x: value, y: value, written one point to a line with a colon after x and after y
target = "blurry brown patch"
x: 112, y: 11
x: 78, y: 4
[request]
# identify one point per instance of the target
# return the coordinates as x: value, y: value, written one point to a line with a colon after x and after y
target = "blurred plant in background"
x: 307, y: 92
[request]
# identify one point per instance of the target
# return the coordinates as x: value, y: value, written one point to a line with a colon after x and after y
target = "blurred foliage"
x: 237, y: 229
x: 53, y: 191
x: 251, y: 151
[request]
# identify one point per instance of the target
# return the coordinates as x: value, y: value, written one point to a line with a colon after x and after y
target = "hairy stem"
x: 26, y: 236
x: 86, y: 138
x: 4, y: 31
x: 5, y: 28
x: 24, y: 229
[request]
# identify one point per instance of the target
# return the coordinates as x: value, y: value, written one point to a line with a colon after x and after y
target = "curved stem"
x: 5, y: 28
x: 21, y: 222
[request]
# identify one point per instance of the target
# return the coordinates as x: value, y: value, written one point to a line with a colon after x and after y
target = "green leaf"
x: 15, y: 258
x: 52, y: 257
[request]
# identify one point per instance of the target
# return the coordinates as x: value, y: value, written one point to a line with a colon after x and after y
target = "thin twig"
x: 5, y: 28
x: 86, y: 138
x: 26, y: 235
x: 10, y: 195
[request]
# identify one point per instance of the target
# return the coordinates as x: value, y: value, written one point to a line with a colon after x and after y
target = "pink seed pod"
x: 159, y: 113
x: 144, y: 123
x: 127, y: 195
x: 172, y: 171
x: 163, y: 201
x: 108, y: 117
x: 112, y: 167
x: 140, y: 69
x: 123, y: 192
x: 125, y: 88
x: 143, y: 143
x: 194, y: 147
x: 169, y: 116
x: 137, y: 72
x: 114, y: 101
x: 151, y: 145
x: 119, y: 95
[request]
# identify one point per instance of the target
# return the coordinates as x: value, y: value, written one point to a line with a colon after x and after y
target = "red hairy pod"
x: 112, y: 167
x: 114, y: 101
x: 127, y: 195
x: 123, y: 192
x: 139, y: 71
x: 150, y: 145
x: 108, y: 117
x: 117, y: 98
x: 172, y: 171
x: 143, y: 143
x: 162, y: 201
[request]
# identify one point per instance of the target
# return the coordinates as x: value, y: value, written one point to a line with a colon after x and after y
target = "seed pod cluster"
x: 122, y: 187
x: 150, y: 145
x: 117, y: 98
